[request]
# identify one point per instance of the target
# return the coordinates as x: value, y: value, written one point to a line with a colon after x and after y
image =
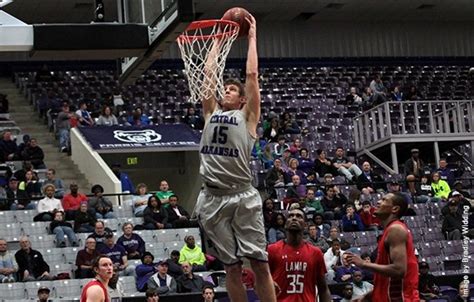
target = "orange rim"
x: 231, y: 30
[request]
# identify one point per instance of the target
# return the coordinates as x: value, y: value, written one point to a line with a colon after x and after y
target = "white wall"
x: 91, y: 164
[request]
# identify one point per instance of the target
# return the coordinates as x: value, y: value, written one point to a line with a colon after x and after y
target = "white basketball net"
x: 204, y: 48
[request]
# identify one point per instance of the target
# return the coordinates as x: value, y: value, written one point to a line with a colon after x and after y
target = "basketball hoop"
x: 205, y: 71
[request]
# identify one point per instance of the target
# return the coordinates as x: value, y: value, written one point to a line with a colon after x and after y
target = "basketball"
x: 238, y: 15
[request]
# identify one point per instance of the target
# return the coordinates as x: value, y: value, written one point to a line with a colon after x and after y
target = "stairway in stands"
x: 22, y: 113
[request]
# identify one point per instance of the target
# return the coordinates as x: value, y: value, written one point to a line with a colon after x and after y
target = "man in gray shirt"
x: 63, y: 125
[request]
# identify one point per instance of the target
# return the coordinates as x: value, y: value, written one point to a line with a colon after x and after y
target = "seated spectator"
x: 189, y: 282
x: 248, y: 279
x: 368, y: 218
x: 192, y: 254
x: 308, y: 211
x: 288, y: 124
x: 118, y: 255
x: 296, y: 191
x: 268, y: 213
x: 306, y: 164
x: 8, y: 147
x: 152, y: 296
x: 452, y: 221
x: 458, y: 186
x: 445, y: 173
x: 463, y: 294
x: 293, y: 170
x: 285, y: 160
x: 84, y: 259
x: 178, y: 217
x: 16, y: 199
x: 194, y: 119
x: 84, y: 116
x: 145, y: 270
x: 73, y: 201
x: 100, y: 231
x: 99, y: 205
x: 360, y: 287
x: 208, y: 293
x: 413, y: 94
x: 8, y: 264
x: 323, y: 227
x: 333, y: 235
x: 48, y: 205
x: 275, y: 177
x: 367, y: 274
x: 332, y: 259
x: 344, y: 167
x: 106, y: 118
x: 345, y: 271
x: 277, y: 230
x: 322, y: 165
x: 162, y: 282
x: 347, y: 293
x: 313, y: 202
x: 369, y: 180
x: 423, y: 190
x: 413, y: 170
x: 296, y: 147
x: 31, y: 184
x: 369, y: 99
x: 43, y: 294
x: 20, y: 175
x: 34, y: 154
x: 62, y: 229
x: 426, y: 283
x: 115, y: 287
x: 133, y: 243
x: 140, y: 200
x: 440, y: 188
x: 314, y: 237
x: 378, y: 87
x: 155, y: 216
x: 281, y: 147
x: 4, y: 106
x: 273, y: 132
x: 164, y: 193
x: 127, y: 185
x: 174, y: 267
x: 63, y: 125
x: 266, y: 156
x: 351, y: 222
x: 31, y: 265
x: 397, y: 95
x: 353, y: 98
x: 333, y: 203
x: 84, y: 221
x: 138, y: 118
x: 56, y: 182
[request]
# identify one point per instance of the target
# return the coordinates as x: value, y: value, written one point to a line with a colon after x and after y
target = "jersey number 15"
x: 296, y: 285
x: 219, y: 135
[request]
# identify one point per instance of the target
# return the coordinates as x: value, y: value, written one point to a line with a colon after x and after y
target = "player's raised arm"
x: 252, y: 89
x: 209, y: 102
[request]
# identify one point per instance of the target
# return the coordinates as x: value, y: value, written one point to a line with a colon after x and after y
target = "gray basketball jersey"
x: 225, y: 150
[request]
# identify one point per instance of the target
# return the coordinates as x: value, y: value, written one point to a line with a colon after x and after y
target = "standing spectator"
x: 8, y: 147
x: 413, y: 170
x: 31, y: 184
x: 178, y: 217
x: 63, y: 125
x: 440, y: 188
x: 353, y: 98
x: 194, y: 119
x: 314, y: 237
x: 351, y: 222
x: 118, y: 255
x: 161, y: 281
x: 369, y: 220
x: 397, y: 94
x: 100, y: 231
x: 344, y: 166
x: 43, y: 294
x: 277, y: 230
x: 84, y: 116
x: 58, y: 183
x: 84, y: 221
x: 140, y: 200
x: 16, y: 199
x: 145, y: 270
x: 106, y: 118
x: 333, y: 203
x: 155, y: 216
x: 31, y: 265
x: 127, y: 185
x: 48, y: 205
x: 445, y: 173
x: 452, y: 222
x: 34, y: 154
x: 84, y: 259
x: 164, y: 193
x: 133, y: 243
x: 345, y: 271
x: 192, y: 254
x: 60, y: 228
x: 99, y: 205
x: 361, y: 288
x: 72, y: 201
x: 8, y: 265
x: 273, y: 132
x: 189, y: 282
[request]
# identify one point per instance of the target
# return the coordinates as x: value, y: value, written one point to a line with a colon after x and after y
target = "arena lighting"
x: 99, y: 11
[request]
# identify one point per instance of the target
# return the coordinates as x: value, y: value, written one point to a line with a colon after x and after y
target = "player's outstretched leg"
x: 265, y: 288
x: 233, y: 282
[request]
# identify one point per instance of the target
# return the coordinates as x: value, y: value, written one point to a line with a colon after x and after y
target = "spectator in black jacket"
x: 189, y: 282
x: 333, y: 203
x: 3, y: 103
x: 178, y: 217
x: 59, y: 227
x: 322, y: 165
x: 155, y: 216
x: 452, y: 221
x: 426, y: 283
x: 31, y: 265
x: 275, y: 176
x: 369, y: 180
x: 17, y: 199
x: 413, y: 170
x: 84, y: 221
x: 34, y: 154
x: 8, y: 147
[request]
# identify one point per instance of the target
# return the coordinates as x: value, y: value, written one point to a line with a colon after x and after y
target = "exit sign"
x: 132, y: 161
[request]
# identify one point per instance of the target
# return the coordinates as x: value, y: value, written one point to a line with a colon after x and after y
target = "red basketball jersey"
x: 296, y: 270
x: 91, y: 283
x: 387, y: 289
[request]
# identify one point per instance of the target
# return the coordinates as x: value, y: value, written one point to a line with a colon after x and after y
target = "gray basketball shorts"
x: 233, y: 225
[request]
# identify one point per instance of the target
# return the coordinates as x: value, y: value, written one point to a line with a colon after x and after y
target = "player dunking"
x: 229, y: 209
x: 96, y: 290
x: 297, y: 266
x: 396, y: 267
